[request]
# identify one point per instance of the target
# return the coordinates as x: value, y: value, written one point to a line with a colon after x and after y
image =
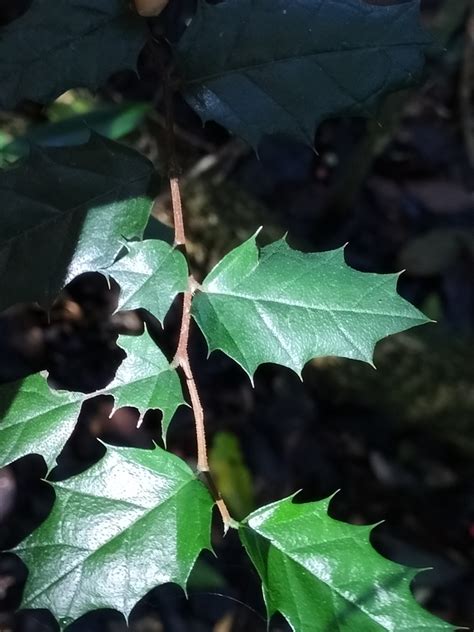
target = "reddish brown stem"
x: 181, y: 359
x: 179, y: 235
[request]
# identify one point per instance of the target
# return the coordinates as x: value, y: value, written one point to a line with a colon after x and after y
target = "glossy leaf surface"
x: 145, y: 379
x: 263, y: 67
x: 67, y: 211
x: 323, y: 574
x: 135, y: 520
x: 55, y: 46
x: 284, y: 306
x: 34, y: 419
x: 150, y: 276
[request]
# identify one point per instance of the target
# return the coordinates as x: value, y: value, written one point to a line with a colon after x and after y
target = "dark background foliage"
x: 398, y: 443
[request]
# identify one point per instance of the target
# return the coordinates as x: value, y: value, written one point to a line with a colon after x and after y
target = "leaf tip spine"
x: 376, y: 524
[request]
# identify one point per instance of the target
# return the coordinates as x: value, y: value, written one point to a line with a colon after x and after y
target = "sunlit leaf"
x: 150, y: 276
x: 284, y: 306
x: 66, y: 211
x: 145, y: 380
x: 324, y: 575
x: 135, y: 520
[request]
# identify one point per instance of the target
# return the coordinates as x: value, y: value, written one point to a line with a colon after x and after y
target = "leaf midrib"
x: 331, y: 310
x: 331, y: 587
x: 149, y: 278
x: 54, y: 409
x: 295, y: 57
x: 46, y: 588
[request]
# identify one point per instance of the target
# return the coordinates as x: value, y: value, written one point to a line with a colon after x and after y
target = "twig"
x: 215, y: 165
x: 181, y: 358
x: 187, y: 137
x: 178, y: 222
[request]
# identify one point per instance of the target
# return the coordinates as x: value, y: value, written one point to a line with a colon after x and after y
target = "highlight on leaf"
x: 150, y: 275
x: 135, y: 520
x: 276, y: 304
x: 146, y: 381
x: 87, y: 199
x: 40, y: 420
x: 258, y: 67
x: 323, y: 574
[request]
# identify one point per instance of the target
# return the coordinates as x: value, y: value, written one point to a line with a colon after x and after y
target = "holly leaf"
x: 145, y: 380
x: 55, y: 46
x: 284, y: 306
x: 150, y: 276
x: 135, y: 520
x: 35, y: 419
x: 323, y: 574
x: 66, y: 211
x: 258, y: 67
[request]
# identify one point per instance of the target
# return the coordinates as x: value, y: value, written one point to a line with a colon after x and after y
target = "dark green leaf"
x: 280, y: 67
x: 67, y: 211
x: 323, y: 575
x: 55, y: 46
x: 284, y: 306
x: 135, y: 520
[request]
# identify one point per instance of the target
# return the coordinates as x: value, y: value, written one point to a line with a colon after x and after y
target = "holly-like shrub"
x: 140, y: 518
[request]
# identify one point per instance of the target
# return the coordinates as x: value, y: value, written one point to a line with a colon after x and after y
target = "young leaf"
x: 150, y: 276
x: 263, y: 67
x: 145, y: 380
x: 135, y: 520
x: 284, y: 306
x: 35, y: 419
x: 323, y: 574
x: 67, y: 211
x: 55, y: 46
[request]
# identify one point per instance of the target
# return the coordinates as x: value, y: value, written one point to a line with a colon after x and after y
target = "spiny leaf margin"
x: 150, y: 275
x: 37, y: 419
x: 261, y: 67
x: 277, y: 325
x: 67, y: 211
x: 146, y: 380
x: 89, y: 552
x: 324, y: 574
x: 56, y: 46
